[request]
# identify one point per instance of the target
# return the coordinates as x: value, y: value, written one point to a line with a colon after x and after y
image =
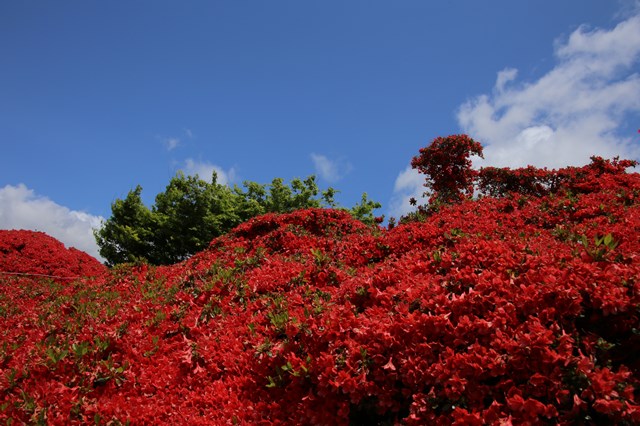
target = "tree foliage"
x: 191, y: 212
x: 448, y: 168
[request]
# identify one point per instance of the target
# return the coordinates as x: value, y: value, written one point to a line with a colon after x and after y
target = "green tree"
x: 364, y: 210
x: 279, y: 198
x: 191, y: 212
x: 188, y: 215
x: 128, y: 234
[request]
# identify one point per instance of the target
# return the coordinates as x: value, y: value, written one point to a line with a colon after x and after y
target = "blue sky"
x: 97, y: 97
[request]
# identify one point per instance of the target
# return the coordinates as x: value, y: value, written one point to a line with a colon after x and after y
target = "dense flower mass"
x: 518, y: 308
x: 29, y: 252
x: 448, y: 167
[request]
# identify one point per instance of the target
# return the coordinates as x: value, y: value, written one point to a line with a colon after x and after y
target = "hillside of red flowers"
x: 518, y: 307
x: 29, y: 252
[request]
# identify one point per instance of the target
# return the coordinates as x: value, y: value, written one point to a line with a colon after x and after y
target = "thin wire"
x: 38, y: 275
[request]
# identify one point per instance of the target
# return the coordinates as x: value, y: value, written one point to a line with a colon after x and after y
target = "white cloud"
x: 564, y: 117
x: 330, y: 170
x: 171, y: 143
x: 572, y: 112
x: 204, y: 170
x: 505, y: 76
x: 21, y: 208
x: 409, y: 184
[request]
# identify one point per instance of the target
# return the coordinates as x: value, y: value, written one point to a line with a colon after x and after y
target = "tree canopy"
x: 191, y: 212
x: 447, y: 166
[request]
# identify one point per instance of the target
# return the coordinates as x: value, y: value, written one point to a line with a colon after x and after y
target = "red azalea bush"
x: 519, y: 308
x: 448, y: 167
x: 29, y: 252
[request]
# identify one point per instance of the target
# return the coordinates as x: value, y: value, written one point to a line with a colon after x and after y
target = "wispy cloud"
x: 204, y: 170
x: 328, y: 169
x: 572, y: 112
x: 171, y: 143
x: 22, y: 208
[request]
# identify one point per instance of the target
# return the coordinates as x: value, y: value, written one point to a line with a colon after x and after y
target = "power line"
x: 25, y: 274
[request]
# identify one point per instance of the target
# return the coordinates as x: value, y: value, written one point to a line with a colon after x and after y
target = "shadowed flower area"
x: 520, y: 307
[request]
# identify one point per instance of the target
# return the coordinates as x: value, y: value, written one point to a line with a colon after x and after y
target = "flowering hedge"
x: 515, y: 309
